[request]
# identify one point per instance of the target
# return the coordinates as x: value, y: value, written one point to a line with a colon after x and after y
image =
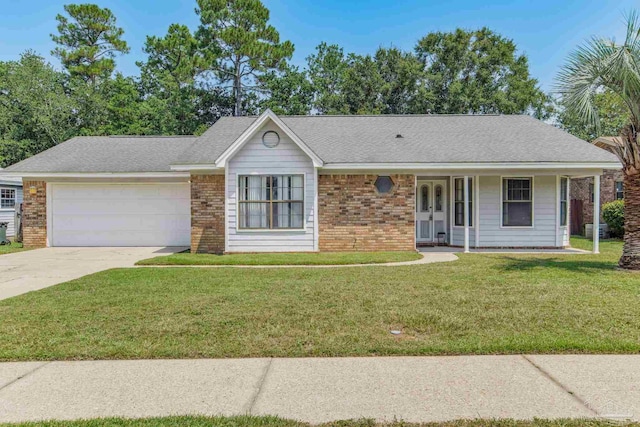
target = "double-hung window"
x: 7, y: 198
x: 564, y: 196
x: 458, y: 184
x: 517, y: 202
x: 271, y: 202
x: 619, y: 190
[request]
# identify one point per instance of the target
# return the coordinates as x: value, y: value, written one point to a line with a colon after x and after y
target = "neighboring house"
x: 313, y: 183
x: 583, y: 195
x: 10, y: 199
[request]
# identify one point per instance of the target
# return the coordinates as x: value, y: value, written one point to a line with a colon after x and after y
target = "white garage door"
x: 120, y: 214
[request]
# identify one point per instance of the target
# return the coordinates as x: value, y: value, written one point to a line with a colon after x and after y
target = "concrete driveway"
x: 27, y: 271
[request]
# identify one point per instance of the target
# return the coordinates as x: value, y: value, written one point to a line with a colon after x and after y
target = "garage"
x: 119, y: 214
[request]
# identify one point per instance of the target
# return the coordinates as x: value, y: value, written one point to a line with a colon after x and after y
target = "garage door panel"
x: 138, y: 238
x: 124, y: 191
x: 120, y: 207
x: 121, y: 222
x: 120, y: 214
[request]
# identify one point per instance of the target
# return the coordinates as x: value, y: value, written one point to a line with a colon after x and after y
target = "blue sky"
x: 546, y: 30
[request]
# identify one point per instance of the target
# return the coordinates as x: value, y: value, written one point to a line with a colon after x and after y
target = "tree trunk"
x: 239, y: 99
x: 630, y: 259
x: 237, y: 88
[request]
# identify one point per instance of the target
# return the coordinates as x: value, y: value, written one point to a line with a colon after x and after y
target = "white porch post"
x: 476, y: 204
x: 415, y: 214
x: 451, y: 209
x: 596, y: 214
x: 466, y: 214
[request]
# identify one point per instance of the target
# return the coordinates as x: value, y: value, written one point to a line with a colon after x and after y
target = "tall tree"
x: 327, y: 67
x: 88, y: 41
x: 475, y: 72
x: 287, y: 92
x: 36, y: 113
x: 122, y: 108
x: 239, y: 42
x: 602, y: 64
x: 400, y: 73
x: 170, y: 74
x: 361, y: 85
x: 175, y: 57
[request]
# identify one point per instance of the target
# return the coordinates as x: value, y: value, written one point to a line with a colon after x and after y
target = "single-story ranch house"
x: 314, y: 183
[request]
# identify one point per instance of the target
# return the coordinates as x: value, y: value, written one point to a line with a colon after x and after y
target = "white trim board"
x: 469, y: 166
x: 54, y: 175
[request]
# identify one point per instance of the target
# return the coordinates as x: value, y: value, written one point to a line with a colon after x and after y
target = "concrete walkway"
x: 27, y: 271
x: 419, y: 389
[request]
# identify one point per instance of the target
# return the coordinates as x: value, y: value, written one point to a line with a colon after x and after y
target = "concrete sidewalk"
x: 419, y: 389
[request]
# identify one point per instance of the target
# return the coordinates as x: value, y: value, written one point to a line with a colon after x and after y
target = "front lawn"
x: 9, y: 249
x: 480, y: 304
x: 336, y: 258
x: 248, y: 421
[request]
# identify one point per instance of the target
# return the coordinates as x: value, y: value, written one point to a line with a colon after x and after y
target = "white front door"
x: 431, y: 211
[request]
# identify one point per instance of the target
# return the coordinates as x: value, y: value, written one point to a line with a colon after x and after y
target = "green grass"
x: 248, y: 421
x: 12, y: 248
x: 480, y: 304
x: 283, y: 259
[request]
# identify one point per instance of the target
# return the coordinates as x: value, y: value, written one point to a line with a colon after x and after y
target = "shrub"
x: 613, y: 215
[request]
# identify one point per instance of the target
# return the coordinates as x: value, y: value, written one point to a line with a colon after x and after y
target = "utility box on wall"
x: 588, y: 231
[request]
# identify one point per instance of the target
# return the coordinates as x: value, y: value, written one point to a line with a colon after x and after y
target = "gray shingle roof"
x: 425, y: 139
x: 336, y: 139
x: 108, y: 154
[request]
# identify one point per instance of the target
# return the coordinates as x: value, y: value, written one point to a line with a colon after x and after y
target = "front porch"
x: 454, y: 249
x: 497, y: 211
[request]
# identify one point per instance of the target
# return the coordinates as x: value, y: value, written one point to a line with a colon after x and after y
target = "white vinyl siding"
x: 8, y: 215
x: 256, y: 159
x: 458, y: 237
x: 119, y: 214
x: 543, y: 232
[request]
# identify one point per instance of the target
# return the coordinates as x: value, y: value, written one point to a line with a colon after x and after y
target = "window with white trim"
x: 7, y: 198
x: 564, y: 202
x: 619, y: 190
x: 458, y: 208
x: 517, y: 202
x: 270, y: 202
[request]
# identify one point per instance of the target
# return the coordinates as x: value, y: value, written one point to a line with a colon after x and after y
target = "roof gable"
x: 267, y: 116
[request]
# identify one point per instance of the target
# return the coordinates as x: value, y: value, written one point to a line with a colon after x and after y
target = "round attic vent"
x: 270, y: 139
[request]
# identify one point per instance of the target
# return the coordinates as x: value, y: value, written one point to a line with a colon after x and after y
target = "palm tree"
x: 602, y: 64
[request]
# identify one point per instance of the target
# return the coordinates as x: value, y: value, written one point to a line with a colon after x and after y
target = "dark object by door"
x: 577, y: 224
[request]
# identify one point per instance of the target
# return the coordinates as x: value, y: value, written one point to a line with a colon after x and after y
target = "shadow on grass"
x: 577, y: 266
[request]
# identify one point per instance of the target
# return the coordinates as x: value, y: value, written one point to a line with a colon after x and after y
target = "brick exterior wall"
x: 580, y: 191
x: 34, y: 215
x: 353, y: 216
x: 207, y: 214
